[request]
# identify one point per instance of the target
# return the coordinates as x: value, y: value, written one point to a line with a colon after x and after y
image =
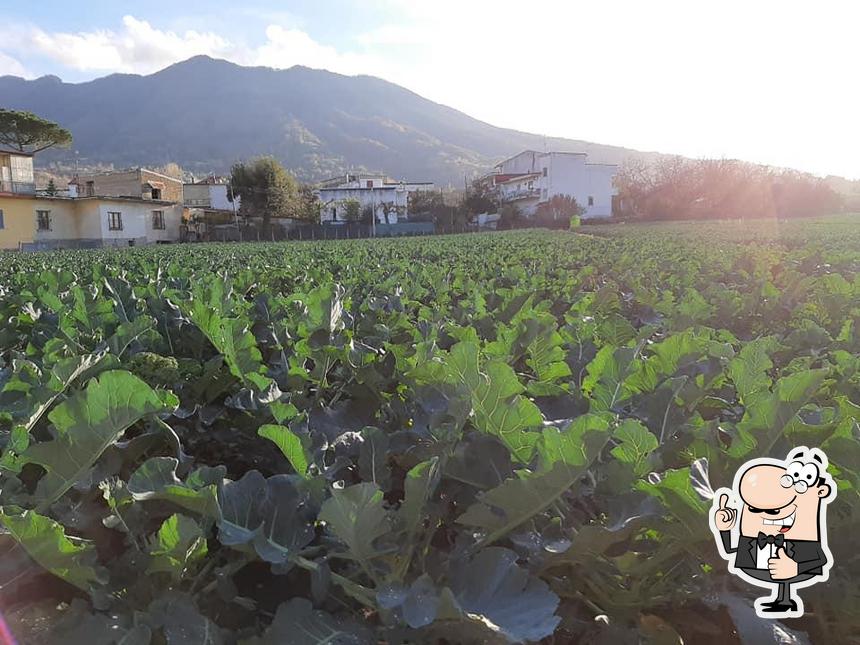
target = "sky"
x: 768, y: 81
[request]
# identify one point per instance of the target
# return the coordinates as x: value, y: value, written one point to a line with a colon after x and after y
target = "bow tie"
x: 763, y: 539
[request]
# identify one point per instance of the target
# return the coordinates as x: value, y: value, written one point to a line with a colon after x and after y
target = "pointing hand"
x: 724, y: 516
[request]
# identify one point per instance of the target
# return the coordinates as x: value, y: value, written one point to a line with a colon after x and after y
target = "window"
x: 590, y: 200
x: 370, y: 183
x: 43, y: 220
x: 2, y: 225
x: 91, y: 189
x: 156, y: 193
x: 158, y: 220
x: 114, y: 221
x: 543, y: 172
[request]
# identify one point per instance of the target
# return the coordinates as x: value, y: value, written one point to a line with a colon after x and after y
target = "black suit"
x: 808, y: 554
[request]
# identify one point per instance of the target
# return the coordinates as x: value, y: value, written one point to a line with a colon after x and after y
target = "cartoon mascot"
x: 782, y: 536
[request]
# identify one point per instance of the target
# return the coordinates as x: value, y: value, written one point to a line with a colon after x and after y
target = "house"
x: 32, y: 222
x: 208, y: 208
x: 16, y: 173
x: 138, y: 183
x: 208, y: 194
x: 532, y: 178
x: 375, y: 193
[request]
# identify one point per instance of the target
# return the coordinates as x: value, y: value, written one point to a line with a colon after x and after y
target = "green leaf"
x: 420, y: 484
x: 497, y: 406
x: 270, y: 514
x: 298, y: 623
x: 637, y: 442
x: 156, y: 479
x: 290, y: 445
x: 749, y: 369
x: 231, y: 337
x: 46, y: 542
x: 179, y: 543
x: 357, y: 516
x: 87, y: 424
x: 373, y: 457
x: 577, y: 444
x: 607, y: 373
x: 774, y: 414
x: 503, y: 596
x: 181, y: 623
x: 676, y: 489
x: 567, y: 456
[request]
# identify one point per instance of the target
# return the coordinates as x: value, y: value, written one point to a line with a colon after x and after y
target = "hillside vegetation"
x: 205, y: 114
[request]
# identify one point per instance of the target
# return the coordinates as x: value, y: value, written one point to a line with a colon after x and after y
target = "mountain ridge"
x: 206, y: 113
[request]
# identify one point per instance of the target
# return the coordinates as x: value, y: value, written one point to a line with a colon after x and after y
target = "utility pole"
x: 235, y: 215
x: 373, y: 206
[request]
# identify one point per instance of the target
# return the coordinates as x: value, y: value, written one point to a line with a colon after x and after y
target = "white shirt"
x: 765, y: 553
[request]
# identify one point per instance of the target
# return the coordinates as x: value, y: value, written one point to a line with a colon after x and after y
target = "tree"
x: 52, y: 188
x: 389, y: 208
x: 352, y: 210
x: 510, y: 217
x: 480, y: 198
x: 309, y: 205
x: 558, y: 211
x: 266, y: 189
x: 678, y: 188
x: 172, y: 169
x: 367, y: 214
x: 427, y: 206
x: 26, y: 132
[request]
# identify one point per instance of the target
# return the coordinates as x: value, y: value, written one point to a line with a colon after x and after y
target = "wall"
x: 600, y: 179
x: 84, y: 223
x: 521, y: 163
x: 65, y: 222
x: 196, y: 196
x: 569, y: 174
x: 130, y: 183
x: 172, y: 187
x: 18, y: 221
x: 364, y: 197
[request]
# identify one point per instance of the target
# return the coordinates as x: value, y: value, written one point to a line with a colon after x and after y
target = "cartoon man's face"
x: 783, y: 500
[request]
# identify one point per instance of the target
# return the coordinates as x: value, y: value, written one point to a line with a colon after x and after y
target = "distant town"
x: 139, y: 206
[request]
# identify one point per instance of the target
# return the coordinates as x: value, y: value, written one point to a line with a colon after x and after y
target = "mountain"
x: 205, y: 114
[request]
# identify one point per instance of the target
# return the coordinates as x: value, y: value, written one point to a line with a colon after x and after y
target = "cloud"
x: 287, y: 47
x: 137, y: 47
x: 10, y: 66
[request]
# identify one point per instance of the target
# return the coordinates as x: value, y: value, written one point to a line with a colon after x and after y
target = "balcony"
x: 520, y: 193
x: 17, y: 187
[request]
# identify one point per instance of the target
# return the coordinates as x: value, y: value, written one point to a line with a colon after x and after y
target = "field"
x: 507, y: 437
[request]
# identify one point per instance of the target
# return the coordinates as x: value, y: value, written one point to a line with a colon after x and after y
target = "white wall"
x: 218, y: 198
x: 566, y: 174
x: 137, y: 223
x: 333, y: 198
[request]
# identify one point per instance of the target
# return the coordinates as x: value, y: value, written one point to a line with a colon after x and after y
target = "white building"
x: 386, y: 198
x: 533, y: 178
x: 90, y: 222
x: 209, y: 194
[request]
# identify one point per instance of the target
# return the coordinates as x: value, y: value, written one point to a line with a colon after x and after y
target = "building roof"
x: 127, y: 171
x: 104, y: 198
x: 211, y: 180
x: 4, y: 151
x: 540, y: 154
x: 375, y: 188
